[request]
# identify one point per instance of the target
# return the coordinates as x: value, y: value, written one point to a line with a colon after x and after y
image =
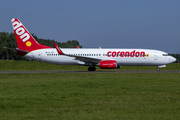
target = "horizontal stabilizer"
x: 18, y: 50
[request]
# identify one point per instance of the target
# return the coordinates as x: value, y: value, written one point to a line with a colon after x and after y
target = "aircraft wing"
x: 80, y: 58
x: 87, y: 59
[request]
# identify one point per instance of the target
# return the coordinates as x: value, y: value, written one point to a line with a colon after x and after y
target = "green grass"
x: 7, y: 65
x: 126, y: 96
x: 88, y: 96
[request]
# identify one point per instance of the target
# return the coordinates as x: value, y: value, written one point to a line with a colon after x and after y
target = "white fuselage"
x: 137, y: 57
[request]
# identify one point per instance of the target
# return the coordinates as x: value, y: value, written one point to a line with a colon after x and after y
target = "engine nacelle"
x: 108, y: 64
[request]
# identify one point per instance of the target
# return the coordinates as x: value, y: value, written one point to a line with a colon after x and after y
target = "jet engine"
x: 108, y: 64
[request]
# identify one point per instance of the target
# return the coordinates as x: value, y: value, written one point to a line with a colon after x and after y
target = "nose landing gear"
x: 161, y: 66
x: 158, y: 69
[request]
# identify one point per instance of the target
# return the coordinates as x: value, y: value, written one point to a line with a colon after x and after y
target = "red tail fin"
x: 24, y: 39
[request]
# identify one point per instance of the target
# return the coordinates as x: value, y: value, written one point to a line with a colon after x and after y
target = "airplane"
x: 108, y: 58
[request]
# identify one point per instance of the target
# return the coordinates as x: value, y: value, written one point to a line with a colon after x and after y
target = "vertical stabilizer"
x: 24, y: 39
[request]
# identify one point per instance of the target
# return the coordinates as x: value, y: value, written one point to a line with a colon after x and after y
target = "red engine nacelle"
x: 108, y: 64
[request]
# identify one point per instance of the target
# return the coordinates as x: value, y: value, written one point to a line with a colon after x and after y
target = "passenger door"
x: 155, y: 56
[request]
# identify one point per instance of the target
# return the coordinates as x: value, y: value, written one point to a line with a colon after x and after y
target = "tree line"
x: 8, y: 40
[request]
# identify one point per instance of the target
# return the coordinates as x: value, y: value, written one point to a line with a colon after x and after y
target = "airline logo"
x: 127, y: 54
x: 21, y: 31
x: 28, y: 44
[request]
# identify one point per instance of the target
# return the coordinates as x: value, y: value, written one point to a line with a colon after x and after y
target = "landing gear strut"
x: 161, y: 66
x: 91, y: 68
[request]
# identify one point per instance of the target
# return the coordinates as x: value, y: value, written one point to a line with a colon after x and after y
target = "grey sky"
x: 151, y: 24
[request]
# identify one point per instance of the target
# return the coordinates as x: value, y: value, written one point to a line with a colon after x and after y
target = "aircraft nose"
x: 173, y: 59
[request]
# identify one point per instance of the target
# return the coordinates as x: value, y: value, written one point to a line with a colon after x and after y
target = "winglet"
x: 58, y: 49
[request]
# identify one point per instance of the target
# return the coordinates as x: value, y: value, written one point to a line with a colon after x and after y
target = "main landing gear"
x: 158, y: 69
x: 92, y: 68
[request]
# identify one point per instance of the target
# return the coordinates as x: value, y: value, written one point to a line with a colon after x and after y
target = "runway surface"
x: 89, y: 72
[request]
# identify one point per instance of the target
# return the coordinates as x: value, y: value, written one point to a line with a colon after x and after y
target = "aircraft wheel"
x: 158, y: 69
x: 91, y: 68
x: 94, y: 68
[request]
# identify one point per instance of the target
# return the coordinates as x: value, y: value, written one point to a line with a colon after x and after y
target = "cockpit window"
x: 165, y: 54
